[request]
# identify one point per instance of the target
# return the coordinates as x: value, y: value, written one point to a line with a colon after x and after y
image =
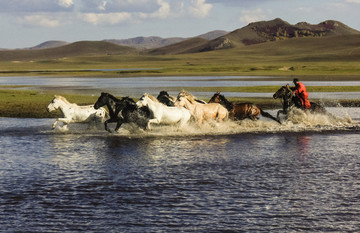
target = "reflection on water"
x: 278, y: 181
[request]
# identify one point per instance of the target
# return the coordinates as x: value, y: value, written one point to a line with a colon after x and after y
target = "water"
x: 135, y: 87
x: 252, y: 177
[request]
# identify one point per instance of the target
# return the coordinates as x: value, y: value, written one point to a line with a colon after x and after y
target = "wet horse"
x: 73, y: 113
x: 240, y: 111
x: 211, y: 111
x: 164, y: 114
x: 122, y: 111
x: 289, y: 100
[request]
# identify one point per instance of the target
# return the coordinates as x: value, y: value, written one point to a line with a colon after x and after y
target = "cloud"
x: 250, y: 16
x: 35, y: 6
x: 108, y: 18
x: 39, y: 20
x: 353, y: 1
x: 199, y: 8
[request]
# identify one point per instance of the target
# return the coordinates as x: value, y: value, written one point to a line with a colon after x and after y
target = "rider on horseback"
x: 299, y: 90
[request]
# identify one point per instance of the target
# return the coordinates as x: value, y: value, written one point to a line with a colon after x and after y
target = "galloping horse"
x: 122, y: 111
x: 240, y: 111
x: 164, y: 114
x: 211, y: 111
x: 73, y: 113
x: 166, y: 99
x: 289, y: 100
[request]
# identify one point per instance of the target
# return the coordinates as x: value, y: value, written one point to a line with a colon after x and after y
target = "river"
x: 258, y: 176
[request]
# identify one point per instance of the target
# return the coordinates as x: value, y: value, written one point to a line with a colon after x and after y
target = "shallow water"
x: 135, y: 87
x: 254, y: 176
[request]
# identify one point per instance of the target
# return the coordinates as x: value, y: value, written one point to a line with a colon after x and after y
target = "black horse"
x: 166, y: 99
x: 289, y: 100
x: 123, y: 111
x: 240, y: 111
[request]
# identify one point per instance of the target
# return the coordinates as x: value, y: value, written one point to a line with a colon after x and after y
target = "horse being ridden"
x: 240, y: 111
x: 122, y: 111
x: 210, y: 111
x: 289, y: 100
x: 73, y: 113
x: 164, y: 114
x: 166, y: 99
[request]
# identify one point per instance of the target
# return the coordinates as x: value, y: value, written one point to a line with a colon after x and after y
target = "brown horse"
x: 289, y: 100
x: 212, y: 111
x: 240, y: 111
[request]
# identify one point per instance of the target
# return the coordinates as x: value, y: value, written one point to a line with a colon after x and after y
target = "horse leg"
x: 118, y: 124
x: 54, y: 124
x: 156, y: 121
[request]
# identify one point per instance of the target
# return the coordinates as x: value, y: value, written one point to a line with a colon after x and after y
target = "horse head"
x: 282, y: 92
x: 55, y: 103
x: 218, y: 98
x: 102, y: 100
x: 165, y: 98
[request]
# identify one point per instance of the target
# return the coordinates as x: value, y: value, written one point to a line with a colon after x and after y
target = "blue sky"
x: 26, y: 23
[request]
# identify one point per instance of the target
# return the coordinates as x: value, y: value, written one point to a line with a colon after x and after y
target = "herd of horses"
x: 167, y: 109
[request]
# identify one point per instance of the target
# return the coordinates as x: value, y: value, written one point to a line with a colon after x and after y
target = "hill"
x: 265, y: 31
x: 50, y: 44
x: 153, y: 42
x: 81, y: 48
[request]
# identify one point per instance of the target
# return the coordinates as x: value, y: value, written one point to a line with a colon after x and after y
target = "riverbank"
x: 32, y: 104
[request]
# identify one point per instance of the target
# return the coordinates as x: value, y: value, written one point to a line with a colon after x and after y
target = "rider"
x: 300, y: 91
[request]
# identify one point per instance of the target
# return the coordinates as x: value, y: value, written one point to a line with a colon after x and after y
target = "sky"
x: 26, y: 23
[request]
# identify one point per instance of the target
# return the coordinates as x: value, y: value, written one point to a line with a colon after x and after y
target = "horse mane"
x: 111, y: 96
x: 188, y: 96
x: 152, y: 97
x: 62, y: 98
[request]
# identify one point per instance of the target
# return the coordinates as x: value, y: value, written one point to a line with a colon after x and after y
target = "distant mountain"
x: 152, y: 42
x: 81, y: 48
x: 264, y: 31
x: 50, y: 44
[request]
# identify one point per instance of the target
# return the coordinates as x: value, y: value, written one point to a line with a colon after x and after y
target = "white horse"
x: 164, y: 114
x: 73, y: 113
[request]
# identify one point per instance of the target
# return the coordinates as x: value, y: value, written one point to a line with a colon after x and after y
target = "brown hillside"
x: 274, y: 30
x: 82, y: 48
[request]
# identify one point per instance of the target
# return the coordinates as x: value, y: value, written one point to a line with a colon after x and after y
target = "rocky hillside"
x: 274, y: 30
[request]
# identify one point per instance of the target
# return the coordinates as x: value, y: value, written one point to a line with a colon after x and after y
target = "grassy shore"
x: 32, y: 104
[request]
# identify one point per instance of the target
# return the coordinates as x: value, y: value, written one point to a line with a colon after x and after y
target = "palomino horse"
x: 289, y: 100
x: 164, y: 114
x: 240, y: 111
x: 211, y: 111
x: 122, y: 111
x: 73, y: 113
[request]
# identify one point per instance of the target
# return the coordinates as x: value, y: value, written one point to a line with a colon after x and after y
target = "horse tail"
x: 268, y: 115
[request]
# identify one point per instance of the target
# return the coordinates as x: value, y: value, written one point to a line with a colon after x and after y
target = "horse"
x: 240, y: 111
x: 73, y: 113
x: 289, y: 100
x: 122, y: 111
x: 166, y: 99
x: 164, y: 114
x: 169, y: 100
x: 210, y: 111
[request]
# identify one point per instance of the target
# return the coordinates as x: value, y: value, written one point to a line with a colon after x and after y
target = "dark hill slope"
x: 187, y: 46
x: 274, y: 30
x: 82, y: 48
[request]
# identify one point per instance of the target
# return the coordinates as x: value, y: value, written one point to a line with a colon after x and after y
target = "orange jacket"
x: 300, y: 91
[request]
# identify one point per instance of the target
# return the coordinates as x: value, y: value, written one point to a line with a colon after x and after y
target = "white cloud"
x: 353, y: 1
x: 66, y: 3
x: 42, y: 20
x: 108, y: 18
x: 250, y: 16
x: 199, y: 8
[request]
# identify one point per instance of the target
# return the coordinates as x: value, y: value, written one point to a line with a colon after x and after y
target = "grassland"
x: 323, y: 59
